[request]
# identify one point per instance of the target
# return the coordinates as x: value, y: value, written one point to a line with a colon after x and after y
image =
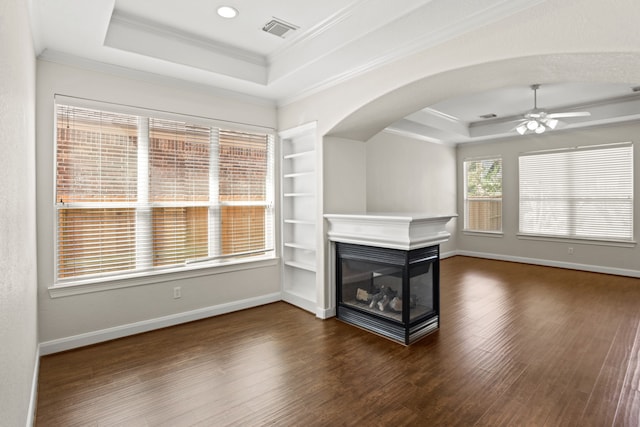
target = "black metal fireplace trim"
x: 387, y: 328
x: 404, y: 331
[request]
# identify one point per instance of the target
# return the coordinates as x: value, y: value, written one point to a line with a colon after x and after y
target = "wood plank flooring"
x: 519, y: 345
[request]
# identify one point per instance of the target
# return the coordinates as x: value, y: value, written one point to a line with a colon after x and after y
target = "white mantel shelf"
x: 404, y: 231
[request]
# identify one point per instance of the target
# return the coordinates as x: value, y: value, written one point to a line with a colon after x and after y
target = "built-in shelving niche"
x: 299, y: 227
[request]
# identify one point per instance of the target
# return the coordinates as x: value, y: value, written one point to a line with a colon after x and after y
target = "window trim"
x: 142, y: 278
x: 210, y: 266
x: 578, y: 240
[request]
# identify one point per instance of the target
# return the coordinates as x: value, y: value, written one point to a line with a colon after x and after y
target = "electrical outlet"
x: 570, y: 250
x: 177, y: 292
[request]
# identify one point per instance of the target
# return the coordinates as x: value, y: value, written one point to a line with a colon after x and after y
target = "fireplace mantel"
x: 404, y: 231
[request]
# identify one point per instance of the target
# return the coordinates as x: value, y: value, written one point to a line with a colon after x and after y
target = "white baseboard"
x: 551, y: 263
x: 449, y: 254
x: 68, y: 343
x: 33, y: 398
x: 325, y: 313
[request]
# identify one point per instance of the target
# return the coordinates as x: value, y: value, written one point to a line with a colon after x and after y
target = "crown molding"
x: 419, y: 137
x: 147, y: 26
x: 393, y: 52
x: 317, y: 30
x: 148, y: 77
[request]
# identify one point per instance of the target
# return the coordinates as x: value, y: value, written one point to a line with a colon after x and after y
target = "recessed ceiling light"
x: 227, y: 12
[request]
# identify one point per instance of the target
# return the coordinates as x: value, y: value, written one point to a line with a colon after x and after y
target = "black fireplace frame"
x: 409, y: 262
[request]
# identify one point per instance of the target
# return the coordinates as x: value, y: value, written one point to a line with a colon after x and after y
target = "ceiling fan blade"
x: 569, y: 114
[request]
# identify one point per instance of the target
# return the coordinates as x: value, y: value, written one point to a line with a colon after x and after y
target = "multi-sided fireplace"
x: 387, y: 273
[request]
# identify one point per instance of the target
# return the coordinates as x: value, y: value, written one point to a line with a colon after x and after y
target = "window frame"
x: 465, y: 223
x: 572, y: 238
x: 221, y: 264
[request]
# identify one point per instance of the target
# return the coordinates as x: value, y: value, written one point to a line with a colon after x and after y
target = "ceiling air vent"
x: 278, y: 27
x: 488, y: 116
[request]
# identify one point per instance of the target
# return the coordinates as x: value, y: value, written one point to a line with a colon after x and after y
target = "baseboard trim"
x: 325, y: 313
x: 33, y: 398
x: 551, y: 263
x: 449, y: 254
x: 69, y: 343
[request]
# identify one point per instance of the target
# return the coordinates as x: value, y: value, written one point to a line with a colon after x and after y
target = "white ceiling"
x: 336, y: 40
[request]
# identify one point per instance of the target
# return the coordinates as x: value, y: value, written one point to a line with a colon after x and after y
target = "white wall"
x: 81, y: 319
x: 18, y: 317
x: 345, y: 174
x: 609, y: 259
x: 409, y: 175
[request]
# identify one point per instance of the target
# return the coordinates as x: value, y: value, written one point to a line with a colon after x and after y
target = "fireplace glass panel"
x: 373, y: 287
x: 421, y: 292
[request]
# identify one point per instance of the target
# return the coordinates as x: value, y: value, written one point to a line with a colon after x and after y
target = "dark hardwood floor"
x: 519, y: 345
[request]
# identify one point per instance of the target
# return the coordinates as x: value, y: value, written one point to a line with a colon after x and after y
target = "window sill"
x: 579, y: 241
x: 483, y: 233
x: 80, y: 287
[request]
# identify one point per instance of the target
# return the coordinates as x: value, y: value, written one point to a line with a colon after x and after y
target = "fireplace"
x: 391, y: 292
x: 387, y: 272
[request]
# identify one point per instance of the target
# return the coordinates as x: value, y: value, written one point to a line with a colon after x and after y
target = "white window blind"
x: 483, y: 195
x: 578, y: 193
x: 136, y: 193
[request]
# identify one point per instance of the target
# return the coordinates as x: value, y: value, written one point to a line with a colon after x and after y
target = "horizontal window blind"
x: 137, y: 193
x: 179, y: 168
x: 245, y: 206
x: 483, y: 195
x: 579, y: 193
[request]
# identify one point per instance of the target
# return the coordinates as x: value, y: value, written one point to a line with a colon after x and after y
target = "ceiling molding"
x: 417, y: 136
x: 391, y: 52
x: 145, y: 25
x: 317, y: 30
x: 138, y: 35
x: 147, y: 77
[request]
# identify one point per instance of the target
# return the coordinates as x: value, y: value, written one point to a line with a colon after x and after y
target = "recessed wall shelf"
x: 301, y: 265
x: 309, y: 153
x: 300, y: 217
x: 299, y: 175
x: 299, y: 195
x: 298, y: 221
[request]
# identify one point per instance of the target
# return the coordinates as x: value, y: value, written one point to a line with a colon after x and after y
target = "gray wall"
x: 18, y: 317
x: 595, y: 257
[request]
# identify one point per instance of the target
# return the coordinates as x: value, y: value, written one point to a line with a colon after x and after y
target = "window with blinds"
x: 584, y: 193
x: 483, y: 195
x: 137, y: 193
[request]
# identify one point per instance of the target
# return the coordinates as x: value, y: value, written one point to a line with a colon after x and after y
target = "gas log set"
x: 384, y: 299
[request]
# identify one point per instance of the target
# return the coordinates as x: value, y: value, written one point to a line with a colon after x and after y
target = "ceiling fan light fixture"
x: 532, y: 125
x: 539, y: 120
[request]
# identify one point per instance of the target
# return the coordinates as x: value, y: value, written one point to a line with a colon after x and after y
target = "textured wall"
x: 18, y: 318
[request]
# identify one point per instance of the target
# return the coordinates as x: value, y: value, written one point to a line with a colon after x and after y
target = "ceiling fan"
x: 538, y: 120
